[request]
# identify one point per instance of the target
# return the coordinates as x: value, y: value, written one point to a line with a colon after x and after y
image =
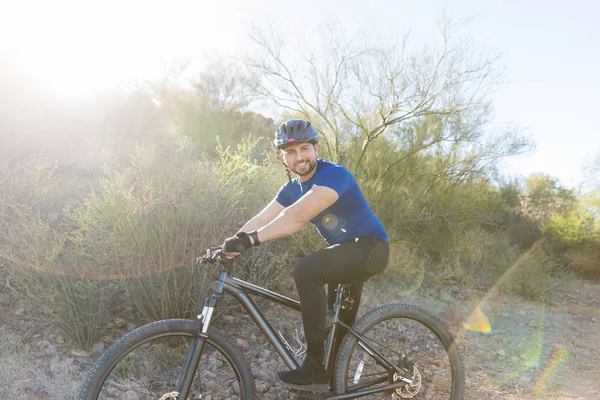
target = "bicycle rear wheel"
x: 147, y: 364
x: 410, y: 338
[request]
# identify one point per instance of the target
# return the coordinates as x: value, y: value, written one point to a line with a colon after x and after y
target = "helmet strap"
x: 288, y: 172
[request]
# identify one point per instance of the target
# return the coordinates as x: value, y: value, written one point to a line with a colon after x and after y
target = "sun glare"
x: 77, y: 48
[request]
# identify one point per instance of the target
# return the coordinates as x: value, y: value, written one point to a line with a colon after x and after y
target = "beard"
x: 305, y: 169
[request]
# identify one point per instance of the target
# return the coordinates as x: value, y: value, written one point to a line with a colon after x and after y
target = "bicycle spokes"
x: 419, y: 360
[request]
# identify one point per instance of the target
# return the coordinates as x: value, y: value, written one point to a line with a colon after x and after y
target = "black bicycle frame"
x: 241, y: 290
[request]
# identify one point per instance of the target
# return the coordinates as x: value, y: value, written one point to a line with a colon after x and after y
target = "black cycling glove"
x: 238, y: 243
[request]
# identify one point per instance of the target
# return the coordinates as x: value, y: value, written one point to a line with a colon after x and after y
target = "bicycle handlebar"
x: 214, y: 255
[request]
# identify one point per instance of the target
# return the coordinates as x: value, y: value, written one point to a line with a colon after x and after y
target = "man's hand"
x: 235, y: 245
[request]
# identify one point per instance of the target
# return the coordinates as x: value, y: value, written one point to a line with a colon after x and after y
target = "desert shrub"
x: 39, y: 271
x: 67, y: 293
x: 146, y: 222
x: 267, y: 265
x: 535, y: 275
x: 478, y: 255
x: 574, y: 235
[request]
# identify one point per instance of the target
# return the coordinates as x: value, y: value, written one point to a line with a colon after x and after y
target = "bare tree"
x: 592, y: 170
x: 356, y: 88
x: 225, y: 88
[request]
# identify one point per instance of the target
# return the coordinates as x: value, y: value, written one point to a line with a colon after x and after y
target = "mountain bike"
x: 393, y: 351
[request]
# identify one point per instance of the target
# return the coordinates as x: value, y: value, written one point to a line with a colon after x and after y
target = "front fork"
x: 198, y: 341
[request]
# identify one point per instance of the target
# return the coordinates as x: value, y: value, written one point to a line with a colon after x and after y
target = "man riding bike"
x: 328, y: 196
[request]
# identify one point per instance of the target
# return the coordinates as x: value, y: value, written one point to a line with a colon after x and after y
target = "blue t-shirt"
x: 349, y: 217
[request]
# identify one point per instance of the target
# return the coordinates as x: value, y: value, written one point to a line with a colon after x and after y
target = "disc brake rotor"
x: 409, y: 389
x: 169, y: 396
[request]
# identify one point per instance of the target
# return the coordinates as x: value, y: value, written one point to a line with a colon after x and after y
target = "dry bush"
x: 406, y: 270
x: 535, y: 275
x: 43, y: 263
x: 477, y: 255
x: 585, y: 261
x: 147, y: 222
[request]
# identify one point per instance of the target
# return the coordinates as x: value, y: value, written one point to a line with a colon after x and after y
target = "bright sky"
x: 551, y: 51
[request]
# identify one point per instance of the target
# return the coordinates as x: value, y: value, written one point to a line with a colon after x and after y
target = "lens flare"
x: 330, y: 221
x: 409, y: 280
x: 560, y: 358
x: 107, y: 272
x: 477, y: 321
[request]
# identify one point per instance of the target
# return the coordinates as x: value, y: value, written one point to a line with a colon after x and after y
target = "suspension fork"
x: 199, y: 339
x: 330, y: 342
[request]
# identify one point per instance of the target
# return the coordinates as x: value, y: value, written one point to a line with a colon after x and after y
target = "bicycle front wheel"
x: 147, y: 364
x: 411, y: 339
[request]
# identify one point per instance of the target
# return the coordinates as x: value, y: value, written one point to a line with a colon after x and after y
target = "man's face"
x: 301, y: 158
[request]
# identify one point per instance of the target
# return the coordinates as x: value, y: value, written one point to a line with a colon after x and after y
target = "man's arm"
x: 293, y: 218
x: 268, y: 214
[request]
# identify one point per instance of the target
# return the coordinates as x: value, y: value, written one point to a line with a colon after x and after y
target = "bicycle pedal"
x: 315, y: 388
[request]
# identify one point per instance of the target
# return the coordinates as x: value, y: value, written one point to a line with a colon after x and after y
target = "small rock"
x: 262, y: 386
x: 131, y: 326
x: 80, y: 353
x: 60, y: 340
x: 51, y: 351
x: 501, y: 353
x: 241, y: 342
x: 262, y: 375
x: 26, y: 383
x: 119, y: 322
x: 230, y: 319
x: 98, y: 347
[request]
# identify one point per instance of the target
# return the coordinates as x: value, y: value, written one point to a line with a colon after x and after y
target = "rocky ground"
x: 511, y: 348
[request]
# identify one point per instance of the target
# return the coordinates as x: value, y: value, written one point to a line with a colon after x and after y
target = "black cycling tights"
x: 351, y: 262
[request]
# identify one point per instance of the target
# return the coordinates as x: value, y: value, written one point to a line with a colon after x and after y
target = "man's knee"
x: 305, y: 269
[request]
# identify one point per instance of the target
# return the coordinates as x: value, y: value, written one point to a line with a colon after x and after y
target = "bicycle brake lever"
x: 213, y: 255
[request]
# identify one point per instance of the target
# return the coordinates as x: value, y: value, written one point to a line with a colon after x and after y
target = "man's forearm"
x: 286, y: 224
x: 252, y: 225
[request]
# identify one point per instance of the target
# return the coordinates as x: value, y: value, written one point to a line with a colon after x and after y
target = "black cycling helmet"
x: 296, y: 130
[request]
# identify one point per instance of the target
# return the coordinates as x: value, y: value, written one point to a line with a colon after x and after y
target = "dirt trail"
x: 545, y: 350
x: 512, y: 349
